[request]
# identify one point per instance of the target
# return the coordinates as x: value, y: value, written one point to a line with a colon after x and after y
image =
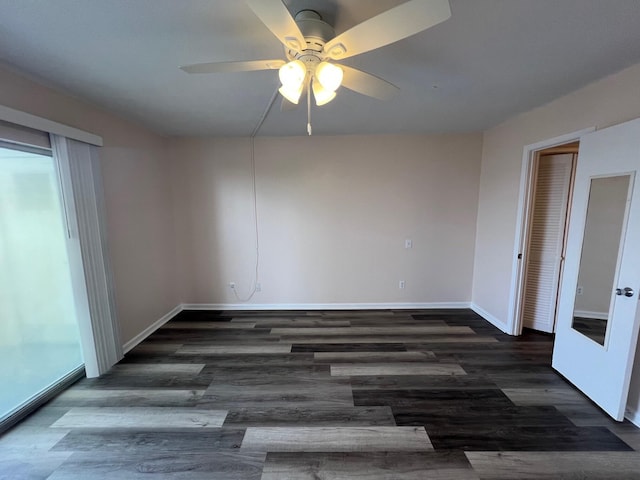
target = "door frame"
x: 525, y: 198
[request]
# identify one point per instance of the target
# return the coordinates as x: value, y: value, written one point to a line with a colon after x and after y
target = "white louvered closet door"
x: 546, y: 240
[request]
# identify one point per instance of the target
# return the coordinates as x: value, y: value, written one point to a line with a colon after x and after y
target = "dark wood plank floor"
x: 325, y: 395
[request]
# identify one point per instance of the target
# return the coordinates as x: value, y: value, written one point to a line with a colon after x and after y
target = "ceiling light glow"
x: 329, y: 76
x: 292, y: 74
x: 321, y: 94
x: 291, y: 93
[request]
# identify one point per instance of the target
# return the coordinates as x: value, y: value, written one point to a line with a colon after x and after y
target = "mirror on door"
x: 606, y: 213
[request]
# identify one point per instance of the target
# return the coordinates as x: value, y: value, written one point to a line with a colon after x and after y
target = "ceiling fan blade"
x: 276, y: 17
x: 367, y: 84
x: 388, y: 27
x: 227, y: 67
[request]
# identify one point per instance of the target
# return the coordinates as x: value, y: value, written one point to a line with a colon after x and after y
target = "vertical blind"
x: 24, y: 136
x: 81, y: 182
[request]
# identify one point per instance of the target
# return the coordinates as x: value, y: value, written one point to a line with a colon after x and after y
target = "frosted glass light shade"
x: 321, y: 94
x: 291, y: 93
x: 292, y: 74
x: 329, y: 76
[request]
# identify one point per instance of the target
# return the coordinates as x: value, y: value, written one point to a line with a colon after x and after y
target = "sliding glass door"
x: 39, y: 337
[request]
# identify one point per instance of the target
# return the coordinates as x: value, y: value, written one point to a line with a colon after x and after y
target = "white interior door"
x: 597, y: 329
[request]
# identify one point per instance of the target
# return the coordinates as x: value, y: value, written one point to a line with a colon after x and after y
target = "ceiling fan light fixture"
x: 329, y: 76
x: 321, y: 94
x: 291, y: 93
x: 292, y: 74
x: 311, y: 47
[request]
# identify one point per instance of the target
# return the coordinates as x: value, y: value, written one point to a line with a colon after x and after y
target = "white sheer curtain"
x: 81, y: 182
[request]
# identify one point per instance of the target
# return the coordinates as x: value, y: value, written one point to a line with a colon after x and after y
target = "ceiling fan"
x: 311, y: 47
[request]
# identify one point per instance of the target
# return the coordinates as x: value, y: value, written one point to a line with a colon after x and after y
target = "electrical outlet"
x: 579, y: 290
x: 232, y: 285
x: 258, y: 287
x: 401, y: 284
x: 408, y: 243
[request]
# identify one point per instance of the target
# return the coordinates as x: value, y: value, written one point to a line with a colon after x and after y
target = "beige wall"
x: 135, y: 170
x: 334, y: 213
x: 610, y: 101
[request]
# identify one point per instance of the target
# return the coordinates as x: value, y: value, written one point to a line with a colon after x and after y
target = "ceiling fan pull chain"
x: 309, y: 131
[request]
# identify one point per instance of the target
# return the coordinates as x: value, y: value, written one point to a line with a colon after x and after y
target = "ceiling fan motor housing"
x: 316, y: 33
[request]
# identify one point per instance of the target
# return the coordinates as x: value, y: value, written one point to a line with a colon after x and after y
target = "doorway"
x: 545, y: 240
x: 562, y: 145
x: 598, y: 363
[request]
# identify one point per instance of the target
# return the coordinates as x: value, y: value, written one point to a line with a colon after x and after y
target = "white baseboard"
x: 490, y: 318
x: 323, y: 306
x: 588, y: 314
x: 150, y: 329
x: 633, y: 416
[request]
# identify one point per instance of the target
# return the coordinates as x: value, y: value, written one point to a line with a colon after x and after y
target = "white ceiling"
x: 490, y: 60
